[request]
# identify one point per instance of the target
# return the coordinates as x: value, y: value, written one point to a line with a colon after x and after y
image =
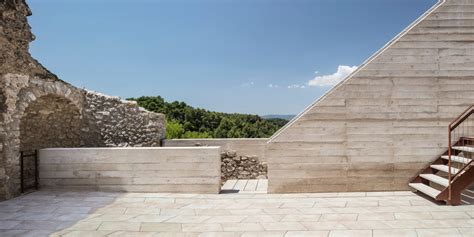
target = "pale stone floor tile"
x: 330, y: 204
x: 68, y: 210
x: 394, y: 203
x: 262, y: 218
x: 300, y: 218
x: 112, y: 217
x: 324, y: 225
x: 85, y: 226
x: 210, y: 212
x: 119, y: 225
x: 225, y: 219
x: 451, y: 232
x: 5, y: 225
x: 413, y: 216
x: 386, y: 216
x: 307, y: 233
x: 188, y: 219
x: 14, y: 233
x: 201, y: 227
x: 321, y: 210
x: 160, y: 227
x: 221, y: 234
x: 177, y: 234
x: 47, y: 213
x: 352, y: 194
x: 43, y: 225
x: 365, y: 225
x: 338, y: 217
x: 137, y: 211
x: 404, y: 224
x: 276, y: 226
x: 395, y: 233
x: 264, y: 234
x: 362, y: 204
x: 281, y: 211
x: 350, y: 233
x: 450, y: 215
x: 181, y: 212
x: 467, y: 232
x: 247, y: 212
x: 242, y: 226
x: 88, y: 233
x: 297, y: 205
x: 380, y: 194
x: 150, y: 218
x: 131, y: 234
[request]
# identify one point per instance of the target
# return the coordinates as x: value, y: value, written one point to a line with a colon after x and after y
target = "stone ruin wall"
x: 39, y: 110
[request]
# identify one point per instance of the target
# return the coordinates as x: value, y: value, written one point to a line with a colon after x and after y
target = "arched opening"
x: 50, y: 121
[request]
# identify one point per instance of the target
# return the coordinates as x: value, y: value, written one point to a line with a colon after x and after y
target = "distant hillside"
x: 184, y: 121
x: 279, y: 116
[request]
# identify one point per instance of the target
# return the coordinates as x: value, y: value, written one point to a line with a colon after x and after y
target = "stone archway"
x: 50, y: 121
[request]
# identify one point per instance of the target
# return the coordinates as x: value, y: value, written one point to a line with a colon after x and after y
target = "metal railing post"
x: 449, y: 162
x: 36, y: 170
x: 22, y: 189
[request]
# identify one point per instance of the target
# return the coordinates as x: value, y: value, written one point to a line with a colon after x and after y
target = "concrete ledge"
x: 134, y: 169
x: 243, y: 146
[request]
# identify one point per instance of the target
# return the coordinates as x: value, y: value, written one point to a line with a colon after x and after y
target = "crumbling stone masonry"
x: 38, y: 110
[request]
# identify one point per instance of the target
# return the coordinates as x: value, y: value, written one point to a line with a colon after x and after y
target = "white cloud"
x: 296, y: 86
x: 273, y: 86
x: 247, y: 84
x: 332, y: 79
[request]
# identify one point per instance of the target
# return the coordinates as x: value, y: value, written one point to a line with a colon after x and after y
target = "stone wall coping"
x: 133, y: 148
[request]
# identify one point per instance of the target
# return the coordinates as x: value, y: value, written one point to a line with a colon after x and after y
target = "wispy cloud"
x: 248, y: 84
x: 330, y: 80
x: 273, y: 86
x: 296, y: 86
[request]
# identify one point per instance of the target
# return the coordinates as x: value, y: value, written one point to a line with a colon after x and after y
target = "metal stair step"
x: 445, y: 168
x: 436, y: 179
x: 458, y: 159
x: 425, y: 189
x: 464, y: 148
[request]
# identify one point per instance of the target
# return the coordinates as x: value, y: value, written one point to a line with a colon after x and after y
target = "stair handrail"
x: 453, y: 125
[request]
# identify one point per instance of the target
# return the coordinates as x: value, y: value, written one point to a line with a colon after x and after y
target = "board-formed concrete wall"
x: 174, y: 170
x: 381, y: 125
x: 243, y: 146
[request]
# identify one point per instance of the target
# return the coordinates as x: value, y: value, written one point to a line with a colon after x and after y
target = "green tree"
x: 174, y: 130
x: 185, y: 121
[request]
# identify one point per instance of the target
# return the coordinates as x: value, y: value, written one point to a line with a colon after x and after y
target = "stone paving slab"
x: 64, y: 213
x: 249, y: 186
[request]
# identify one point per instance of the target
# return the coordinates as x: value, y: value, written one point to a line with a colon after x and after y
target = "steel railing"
x: 461, y: 120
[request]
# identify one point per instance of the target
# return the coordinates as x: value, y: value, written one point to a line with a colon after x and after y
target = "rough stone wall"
x: 122, y: 123
x: 38, y: 110
x: 378, y: 128
x: 235, y: 166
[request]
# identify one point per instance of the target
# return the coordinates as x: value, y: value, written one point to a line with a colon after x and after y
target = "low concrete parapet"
x: 243, y: 146
x: 137, y: 169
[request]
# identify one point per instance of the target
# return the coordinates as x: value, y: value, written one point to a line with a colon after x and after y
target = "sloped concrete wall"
x: 385, y: 122
x: 174, y: 170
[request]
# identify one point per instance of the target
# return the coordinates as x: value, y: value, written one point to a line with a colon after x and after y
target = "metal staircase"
x: 447, y: 177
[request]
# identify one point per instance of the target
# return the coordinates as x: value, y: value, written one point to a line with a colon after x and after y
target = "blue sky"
x: 246, y: 56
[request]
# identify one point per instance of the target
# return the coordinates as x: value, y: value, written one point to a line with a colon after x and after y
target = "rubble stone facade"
x: 38, y: 110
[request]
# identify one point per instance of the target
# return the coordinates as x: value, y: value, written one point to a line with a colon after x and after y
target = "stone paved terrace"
x: 398, y: 214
